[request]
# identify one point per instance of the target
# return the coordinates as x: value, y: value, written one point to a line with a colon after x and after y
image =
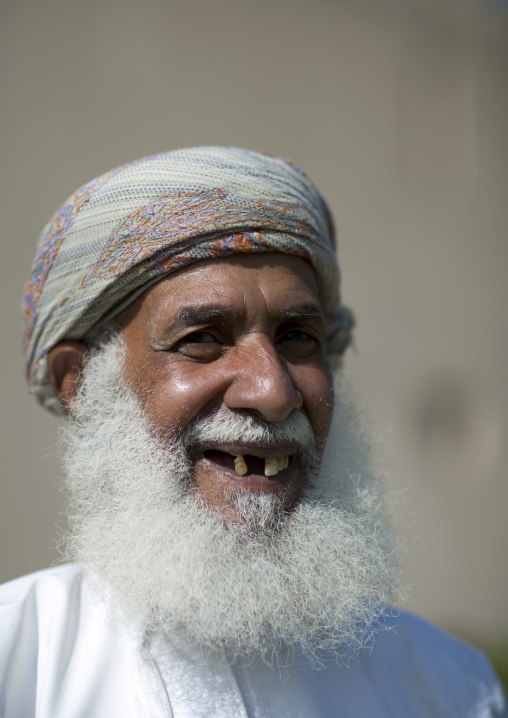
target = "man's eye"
x: 202, y: 337
x: 200, y: 345
x: 295, y: 334
x: 298, y: 341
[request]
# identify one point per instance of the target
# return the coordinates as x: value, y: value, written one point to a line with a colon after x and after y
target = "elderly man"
x: 231, y: 553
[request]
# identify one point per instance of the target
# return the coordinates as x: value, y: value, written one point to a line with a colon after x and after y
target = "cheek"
x: 173, y: 394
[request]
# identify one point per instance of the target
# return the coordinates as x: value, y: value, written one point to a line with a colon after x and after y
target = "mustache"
x: 234, y: 427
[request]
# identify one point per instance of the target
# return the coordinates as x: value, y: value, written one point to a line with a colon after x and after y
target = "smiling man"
x: 229, y: 554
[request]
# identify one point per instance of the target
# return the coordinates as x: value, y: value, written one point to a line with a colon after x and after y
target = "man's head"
x: 200, y: 403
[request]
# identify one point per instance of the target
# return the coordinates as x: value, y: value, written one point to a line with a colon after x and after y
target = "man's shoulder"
x: 414, y: 639
x: 34, y: 606
x: 57, y: 578
x: 433, y: 667
x: 56, y: 649
x: 414, y: 635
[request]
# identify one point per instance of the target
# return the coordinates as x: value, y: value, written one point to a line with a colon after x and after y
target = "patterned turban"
x: 123, y: 231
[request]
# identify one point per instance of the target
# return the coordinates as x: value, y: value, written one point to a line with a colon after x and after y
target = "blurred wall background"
x: 399, y: 111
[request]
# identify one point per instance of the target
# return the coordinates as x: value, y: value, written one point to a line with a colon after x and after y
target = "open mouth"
x: 248, y: 464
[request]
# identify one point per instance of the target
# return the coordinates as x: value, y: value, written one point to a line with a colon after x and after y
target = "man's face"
x: 238, y: 334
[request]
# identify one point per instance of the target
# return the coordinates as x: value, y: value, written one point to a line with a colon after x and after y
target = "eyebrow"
x: 190, y: 316
x: 302, y: 312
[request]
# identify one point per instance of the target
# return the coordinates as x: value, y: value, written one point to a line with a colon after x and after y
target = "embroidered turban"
x: 123, y: 231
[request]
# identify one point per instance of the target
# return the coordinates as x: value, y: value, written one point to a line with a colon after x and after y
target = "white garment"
x: 63, y: 656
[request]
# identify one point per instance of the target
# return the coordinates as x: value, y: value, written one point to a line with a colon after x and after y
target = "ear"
x: 66, y: 362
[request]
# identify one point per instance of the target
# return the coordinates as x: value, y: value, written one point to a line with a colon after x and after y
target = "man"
x: 232, y: 556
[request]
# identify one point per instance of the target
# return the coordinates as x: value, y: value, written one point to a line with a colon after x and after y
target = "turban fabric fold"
x: 126, y: 229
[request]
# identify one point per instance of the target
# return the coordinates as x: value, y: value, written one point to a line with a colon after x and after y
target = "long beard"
x: 314, y: 578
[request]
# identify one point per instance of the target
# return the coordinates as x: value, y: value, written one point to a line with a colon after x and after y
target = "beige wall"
x: 399, y: 111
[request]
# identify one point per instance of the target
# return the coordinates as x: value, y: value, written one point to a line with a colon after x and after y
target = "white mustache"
x: 225, y: 426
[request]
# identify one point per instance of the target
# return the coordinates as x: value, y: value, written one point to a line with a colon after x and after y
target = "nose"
x: 263, y: 383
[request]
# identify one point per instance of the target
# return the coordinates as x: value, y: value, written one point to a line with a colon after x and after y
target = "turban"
x: 123, y: 231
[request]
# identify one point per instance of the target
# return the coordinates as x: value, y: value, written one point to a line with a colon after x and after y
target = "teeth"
x: 240, y: 465
x: 271, y: 466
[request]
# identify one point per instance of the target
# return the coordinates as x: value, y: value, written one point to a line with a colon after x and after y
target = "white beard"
x: 315, y: 578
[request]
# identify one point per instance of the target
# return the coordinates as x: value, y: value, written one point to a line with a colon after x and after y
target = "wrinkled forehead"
x: 246, y: 288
